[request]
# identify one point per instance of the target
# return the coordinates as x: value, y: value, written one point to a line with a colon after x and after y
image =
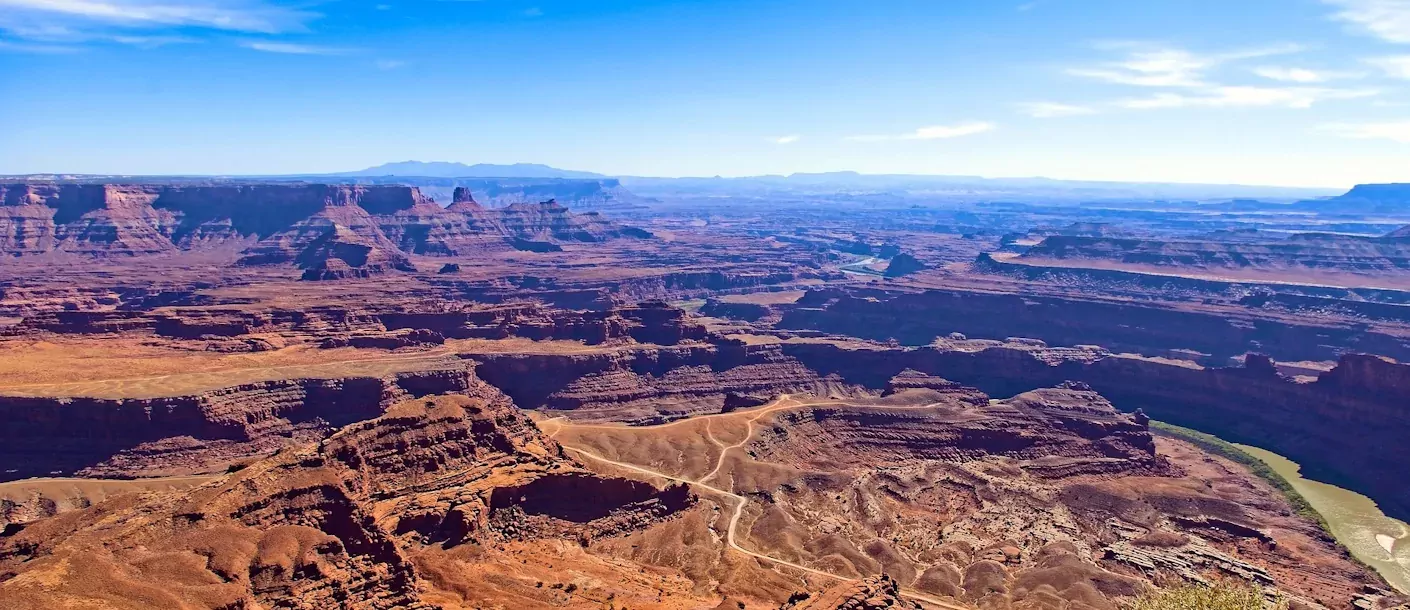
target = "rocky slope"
x: 355, y: 521
x: 1049, y: 499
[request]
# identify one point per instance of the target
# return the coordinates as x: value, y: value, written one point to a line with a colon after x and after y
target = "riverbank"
x: 1374, y: 539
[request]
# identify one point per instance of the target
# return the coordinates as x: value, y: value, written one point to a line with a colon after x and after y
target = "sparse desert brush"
x: 1229, y: 595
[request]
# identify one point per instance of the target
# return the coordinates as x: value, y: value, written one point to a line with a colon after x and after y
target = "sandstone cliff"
x: 137, y: 219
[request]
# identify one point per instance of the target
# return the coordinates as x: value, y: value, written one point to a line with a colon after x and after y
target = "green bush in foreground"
x: 1221, y: 596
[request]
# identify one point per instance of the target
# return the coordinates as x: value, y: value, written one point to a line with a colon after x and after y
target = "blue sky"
x: 1291, y: 92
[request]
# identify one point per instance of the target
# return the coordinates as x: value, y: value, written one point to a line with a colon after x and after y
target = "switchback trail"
x: 784, y: 402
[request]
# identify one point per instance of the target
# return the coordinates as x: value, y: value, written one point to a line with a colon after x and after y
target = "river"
x: 1380, y: 541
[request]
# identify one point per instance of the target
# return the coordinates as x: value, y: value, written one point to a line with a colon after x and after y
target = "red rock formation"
x: 1050, y: 432
x: 341, y: 253
x: 1319, y: 251
x: 904, y: 264
x: 135, y: 219
x: 645, y: 385
x: 918, y: 318
x: 875, y: 593
x: 341, y: 523
x: 203, y: 431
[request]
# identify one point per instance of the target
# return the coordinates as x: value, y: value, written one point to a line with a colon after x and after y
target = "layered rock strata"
x: 351, y: 522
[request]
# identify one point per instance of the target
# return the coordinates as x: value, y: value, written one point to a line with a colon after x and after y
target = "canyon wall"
x: 1368, y: 398
x: 918, y: 318
x: 203, y: 431
x: 284, y: 219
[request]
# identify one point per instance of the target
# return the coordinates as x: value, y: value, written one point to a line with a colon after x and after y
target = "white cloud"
x: 1388, y: 20
x: 1397, y: 131
x: 1301, y: 75
x: 150, y: 42
x: 1048, y: 110
x: 1245, y: 97
x: 1147, y: 66
x: 290, y: 48
x: 788, y: 139
x: 230, y: 15
x: 933, y: 132
x: 388, y: 64
x: 1185, y: 80
x: 1396, y: 66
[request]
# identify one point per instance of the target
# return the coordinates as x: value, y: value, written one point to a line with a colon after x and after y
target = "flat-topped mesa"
x: 137, y: 219
x: 96, y: 220
x: 549, y: 221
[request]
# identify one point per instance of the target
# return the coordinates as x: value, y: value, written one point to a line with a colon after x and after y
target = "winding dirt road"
x: 784, y: 402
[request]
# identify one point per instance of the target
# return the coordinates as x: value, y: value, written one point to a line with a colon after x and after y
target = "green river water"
x: 1380, y: 541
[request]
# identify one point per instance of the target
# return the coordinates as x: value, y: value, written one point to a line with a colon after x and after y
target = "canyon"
x: 244, y: 393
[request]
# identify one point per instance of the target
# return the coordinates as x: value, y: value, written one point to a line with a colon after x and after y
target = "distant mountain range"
x: 945, y: 187
x: 443, y: 176
x: 444, y: 169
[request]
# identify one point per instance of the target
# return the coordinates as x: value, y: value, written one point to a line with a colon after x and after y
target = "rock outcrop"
x: 904, y: 264
x: 349, y: 522
x: 875, y: 593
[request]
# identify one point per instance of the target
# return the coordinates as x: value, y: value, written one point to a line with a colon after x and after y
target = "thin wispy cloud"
x: 388, y: 64
x: 1395, y: 131
x: 1050, y: 110
x: 1246, y: 97
x: 291, y: 48
x: 1147, y: 66
x: 152, y: 42
x: 788, y: 139
x: 933, y: 132
x: 254, y: 16
x: 533, y: 12
x: 1301, y: 75
x: 1388, y: 20
x: 1185, y: 79
x: 1397, y: 66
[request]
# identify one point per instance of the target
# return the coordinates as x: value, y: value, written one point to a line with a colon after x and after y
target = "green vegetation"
x: 1220, y: 596
x: 1227, y: 450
